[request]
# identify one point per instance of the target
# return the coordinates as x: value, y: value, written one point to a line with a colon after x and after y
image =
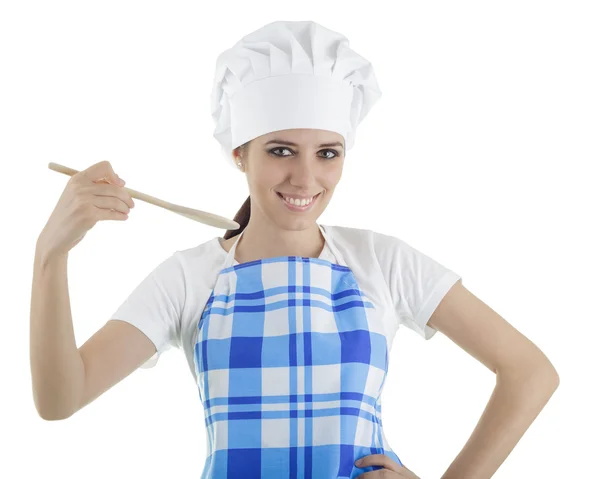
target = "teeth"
x: 298, y: 202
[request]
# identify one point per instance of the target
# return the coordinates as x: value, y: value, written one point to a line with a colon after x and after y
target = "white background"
x: 482, y: 153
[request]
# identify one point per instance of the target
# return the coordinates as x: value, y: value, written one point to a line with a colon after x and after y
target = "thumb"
x: 103, y: 172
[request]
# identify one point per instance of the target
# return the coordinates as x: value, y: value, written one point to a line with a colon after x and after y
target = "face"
x: 275, y: 169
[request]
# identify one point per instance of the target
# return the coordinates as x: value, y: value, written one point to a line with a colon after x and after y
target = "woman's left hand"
x: 391, y: 469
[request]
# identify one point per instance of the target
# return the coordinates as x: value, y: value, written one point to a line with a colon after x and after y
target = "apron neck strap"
x: 339, y: 259
x: 328, y: 244
x: 231, y: 255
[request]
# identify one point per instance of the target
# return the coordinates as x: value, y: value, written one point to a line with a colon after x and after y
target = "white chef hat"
x: 290, y: 74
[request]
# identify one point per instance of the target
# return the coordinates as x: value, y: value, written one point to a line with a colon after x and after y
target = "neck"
x: 269, y: 241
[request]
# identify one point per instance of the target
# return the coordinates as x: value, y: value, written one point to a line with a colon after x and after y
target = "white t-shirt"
x: 405, y: 283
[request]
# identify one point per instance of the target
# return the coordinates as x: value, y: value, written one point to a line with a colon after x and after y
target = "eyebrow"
x: 289, y: 143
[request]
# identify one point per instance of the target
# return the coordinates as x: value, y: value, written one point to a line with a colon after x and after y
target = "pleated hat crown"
x: 290, y: 74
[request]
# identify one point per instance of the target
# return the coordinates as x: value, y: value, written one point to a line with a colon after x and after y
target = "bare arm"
x: 57, y: 370
x: 65, y: 378
x: 516, y: 402
x: 61, y: 379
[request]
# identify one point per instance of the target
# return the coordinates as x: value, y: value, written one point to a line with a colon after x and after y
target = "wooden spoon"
x: 196, y: 215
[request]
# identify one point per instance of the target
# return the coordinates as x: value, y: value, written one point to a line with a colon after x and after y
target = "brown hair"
x: 242, y: 217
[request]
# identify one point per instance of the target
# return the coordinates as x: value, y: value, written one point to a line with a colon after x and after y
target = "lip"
x: 297, y: 197
x: 298, y: 208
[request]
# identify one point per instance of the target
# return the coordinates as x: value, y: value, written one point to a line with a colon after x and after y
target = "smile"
x: 298, y: 205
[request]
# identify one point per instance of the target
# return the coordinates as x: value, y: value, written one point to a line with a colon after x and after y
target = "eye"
x: 335, y: 153
x: 279, y: 148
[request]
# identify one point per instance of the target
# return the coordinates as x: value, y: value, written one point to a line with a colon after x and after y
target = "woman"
x: 286, y: 323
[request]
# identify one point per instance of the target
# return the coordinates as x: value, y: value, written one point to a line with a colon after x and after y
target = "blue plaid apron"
x: 290, y: 365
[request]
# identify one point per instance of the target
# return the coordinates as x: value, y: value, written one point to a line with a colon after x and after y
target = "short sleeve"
x: 155, y: 307
x: 417, y: 282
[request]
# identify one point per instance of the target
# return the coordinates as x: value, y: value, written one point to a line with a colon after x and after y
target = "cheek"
x: 264, y: 184
x: 332, y: 178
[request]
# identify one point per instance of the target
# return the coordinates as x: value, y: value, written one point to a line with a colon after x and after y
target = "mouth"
x: 294, y: 207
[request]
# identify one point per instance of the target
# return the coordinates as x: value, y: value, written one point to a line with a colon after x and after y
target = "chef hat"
x: 290, y: 74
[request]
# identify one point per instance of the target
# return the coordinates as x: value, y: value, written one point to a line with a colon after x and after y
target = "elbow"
x: 556, y: 379
x: 53, y: 417
x: 550, y: 373
x: 52, y: 405
x: 48, y: 413
x: 50, y: 418
x: 539, y: 378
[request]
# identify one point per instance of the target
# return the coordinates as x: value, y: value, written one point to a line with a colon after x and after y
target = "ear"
x: 236, y: 158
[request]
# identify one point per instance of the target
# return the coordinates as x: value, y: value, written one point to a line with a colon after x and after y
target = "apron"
x: 290, y: 369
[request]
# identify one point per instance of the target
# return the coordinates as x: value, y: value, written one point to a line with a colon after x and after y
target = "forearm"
x: 56, y: 367
x: 515, y: 403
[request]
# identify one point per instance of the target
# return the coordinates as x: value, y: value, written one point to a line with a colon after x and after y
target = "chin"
x: 296, y: 224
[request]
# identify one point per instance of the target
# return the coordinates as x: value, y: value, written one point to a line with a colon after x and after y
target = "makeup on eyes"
x: 271, y: 152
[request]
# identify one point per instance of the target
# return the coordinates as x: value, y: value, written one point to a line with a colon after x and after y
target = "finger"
x: 104, y: 214
x: 120, y: 181
x: 409, y: 472
x: 112, y: 190
x: 378, y: 474
x: 380, y: 460
x: 386, y: 473
x: 110, y: 203
x: 102, y: 171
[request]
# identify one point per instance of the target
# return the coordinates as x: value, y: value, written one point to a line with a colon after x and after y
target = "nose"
x: 302, y: 174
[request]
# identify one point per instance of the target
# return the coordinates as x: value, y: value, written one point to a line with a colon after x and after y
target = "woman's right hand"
x: 90, y: 196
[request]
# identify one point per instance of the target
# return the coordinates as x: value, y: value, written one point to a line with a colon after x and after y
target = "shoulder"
x: 364, y: 248
x: 374, y: 251
x: 346, y: 233
x: 207, y: 247
x: 361, y: 238
x: 200, y: 257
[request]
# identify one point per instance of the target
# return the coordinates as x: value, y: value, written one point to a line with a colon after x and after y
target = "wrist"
x: 45, y: 254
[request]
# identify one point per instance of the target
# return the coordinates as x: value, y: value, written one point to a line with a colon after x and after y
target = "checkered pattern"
x: 289, y: 372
